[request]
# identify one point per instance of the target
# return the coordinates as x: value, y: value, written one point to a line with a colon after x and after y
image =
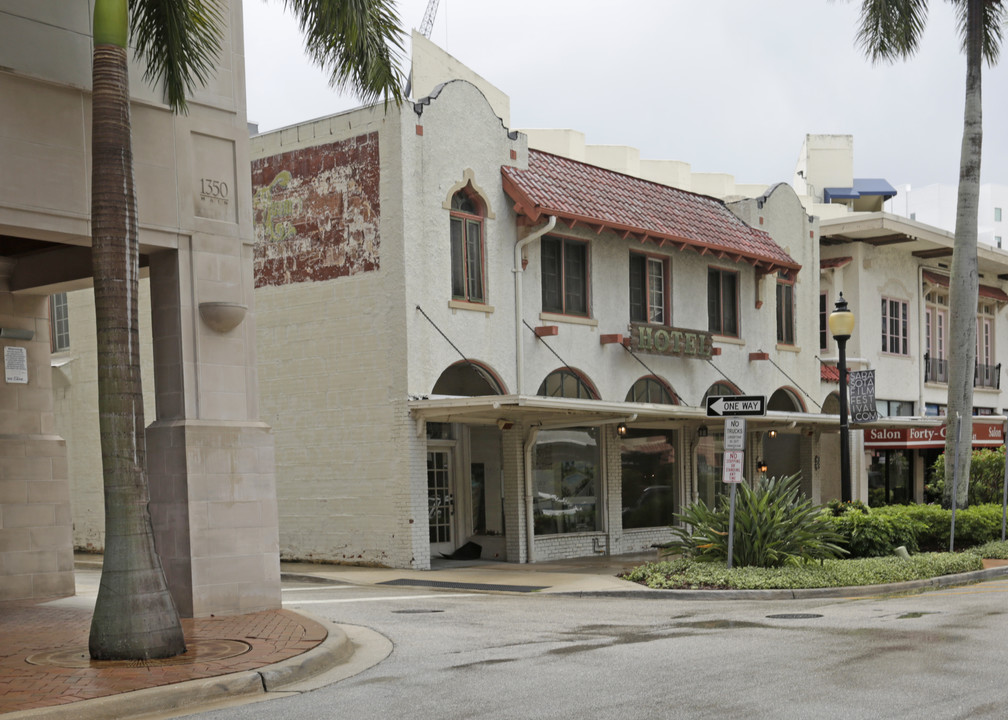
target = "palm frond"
x: 358, y: 42
x: 180, y: 43
x: 890, y: 30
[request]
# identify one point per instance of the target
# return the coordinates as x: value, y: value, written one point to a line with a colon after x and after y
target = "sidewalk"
x: 45, y: 671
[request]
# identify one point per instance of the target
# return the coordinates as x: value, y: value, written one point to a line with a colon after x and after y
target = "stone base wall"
x: 213, y: 504
x: 36, y: 554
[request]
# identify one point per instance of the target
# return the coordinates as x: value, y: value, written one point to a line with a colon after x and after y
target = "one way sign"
x: 723, y: 405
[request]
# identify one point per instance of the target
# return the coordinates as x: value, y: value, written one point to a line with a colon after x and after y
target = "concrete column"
x: 210, y: 460
x: 36, y: 544
x: 514, y: 493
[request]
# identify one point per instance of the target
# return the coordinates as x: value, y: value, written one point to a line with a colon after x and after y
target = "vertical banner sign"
x: 862, y: 396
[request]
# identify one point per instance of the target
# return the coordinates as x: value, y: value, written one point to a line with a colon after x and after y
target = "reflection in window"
x: 651, y: 390
x: 710, y: 461
x: 59, y: 322
x: 566, y: 383
x: 722, y: 302
x: 566, y: 482
x: 889, y: 478
x: 650, y: 478
x: 564, y: 276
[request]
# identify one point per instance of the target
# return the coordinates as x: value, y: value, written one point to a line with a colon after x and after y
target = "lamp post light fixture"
x: 841, y: 326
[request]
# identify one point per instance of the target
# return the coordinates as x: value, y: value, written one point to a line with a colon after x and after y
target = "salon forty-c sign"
x: 984, y: 435
x: 665, y: 340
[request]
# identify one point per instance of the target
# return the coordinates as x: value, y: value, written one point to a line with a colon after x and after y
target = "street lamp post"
x: 841, y: 325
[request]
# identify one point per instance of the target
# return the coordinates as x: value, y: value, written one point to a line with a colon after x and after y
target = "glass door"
x: 440, y: 501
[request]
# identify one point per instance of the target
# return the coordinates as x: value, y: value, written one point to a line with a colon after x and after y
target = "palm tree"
x: 179, y: 41
x: 890, y: 30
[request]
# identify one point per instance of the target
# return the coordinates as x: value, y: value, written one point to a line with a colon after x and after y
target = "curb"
x: 333, y: 651
x: 852, y: 591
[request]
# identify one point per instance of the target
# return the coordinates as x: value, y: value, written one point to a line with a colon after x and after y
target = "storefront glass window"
x: 567, y: 482
x: 889, y: 481
x: 650, y: 478
x: 709, y: 460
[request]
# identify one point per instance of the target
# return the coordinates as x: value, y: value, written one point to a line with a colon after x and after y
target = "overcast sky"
x: 726, y: 85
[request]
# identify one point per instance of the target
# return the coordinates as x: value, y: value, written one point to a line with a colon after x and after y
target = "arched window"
x: 567, y: 383
x: 467, y: 257
x: 652, y: 390
x: 721, y: 388
x: 785, y: 400
x: 468, y: 378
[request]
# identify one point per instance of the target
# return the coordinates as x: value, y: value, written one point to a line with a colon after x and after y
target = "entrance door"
x: 441, y: 501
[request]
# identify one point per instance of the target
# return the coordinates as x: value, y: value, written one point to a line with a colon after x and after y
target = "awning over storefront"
x: 536, y: 410
x: 986, y: 433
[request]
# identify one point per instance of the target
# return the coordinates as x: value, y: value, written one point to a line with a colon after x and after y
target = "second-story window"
x: 936, y: 330
x: 986, y: 373
x: 564, y: 276
x: 468, y: 266
x: 649, y: 289
x: 785, y: 311
x: 823, y: 322
x: 722, y: 302
x: 895, y: 327
x: 59, y: 323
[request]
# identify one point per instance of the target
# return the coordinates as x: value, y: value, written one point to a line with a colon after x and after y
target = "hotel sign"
x: 665, y: 340
x: 984, y: 435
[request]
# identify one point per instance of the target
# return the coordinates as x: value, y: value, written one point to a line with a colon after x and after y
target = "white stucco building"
x: 936, y: 205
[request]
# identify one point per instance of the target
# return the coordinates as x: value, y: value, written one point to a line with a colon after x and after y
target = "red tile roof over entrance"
x: 587, y: 195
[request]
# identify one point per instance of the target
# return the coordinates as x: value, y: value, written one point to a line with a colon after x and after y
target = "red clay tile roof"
x: 837, y: 262
x: 829, y: 373
x: 984, y: 291
x: 582, y: 194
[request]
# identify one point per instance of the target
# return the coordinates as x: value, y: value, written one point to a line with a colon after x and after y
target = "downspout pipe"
x: 517, y: 270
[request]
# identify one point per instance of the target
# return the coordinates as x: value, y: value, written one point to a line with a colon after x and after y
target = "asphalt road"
x: 935, y: 655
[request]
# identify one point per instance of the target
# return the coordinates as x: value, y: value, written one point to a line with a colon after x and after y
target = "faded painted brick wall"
x: 317, y: 212
x: 329, y: 319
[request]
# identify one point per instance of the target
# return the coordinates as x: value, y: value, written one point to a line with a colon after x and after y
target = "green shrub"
x: 875, y: 534
x: 689, y: 574
x: 975, y: 525
x: 986, y: 481
x: 838, y: 507
x: 774, y: 525
x: 995, y: 550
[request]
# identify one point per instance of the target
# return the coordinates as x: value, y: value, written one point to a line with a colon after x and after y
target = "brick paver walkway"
x: 31, y: 630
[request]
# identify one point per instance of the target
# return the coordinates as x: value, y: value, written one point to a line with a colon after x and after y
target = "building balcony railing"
x: 935, y: 369
x: 987, y: 376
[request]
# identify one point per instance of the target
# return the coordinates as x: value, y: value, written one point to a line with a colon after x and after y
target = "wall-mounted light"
x: 222, y: 316
x: 772, y: 434
x: 761, y: 466
x: 621, y: 430
x: 16, y: 334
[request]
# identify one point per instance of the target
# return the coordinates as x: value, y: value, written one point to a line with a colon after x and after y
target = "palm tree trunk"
x: 964, y: 279
x: 135, y: 617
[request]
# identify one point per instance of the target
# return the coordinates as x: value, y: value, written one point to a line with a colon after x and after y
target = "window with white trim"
x: 895, y: 326
x: 785, y: 310
x: 649, y: 291
x: 59, y: 323
x: 467, y: 257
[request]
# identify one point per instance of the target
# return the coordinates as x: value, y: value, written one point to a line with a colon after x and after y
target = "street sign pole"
x: 731, y: 525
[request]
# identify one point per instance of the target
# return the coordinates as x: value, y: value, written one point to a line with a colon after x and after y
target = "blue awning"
x: 862, y: 187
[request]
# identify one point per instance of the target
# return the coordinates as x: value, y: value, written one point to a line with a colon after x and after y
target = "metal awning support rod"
x: 793, y: 381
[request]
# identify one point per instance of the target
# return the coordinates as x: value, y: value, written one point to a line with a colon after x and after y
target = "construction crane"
x: 425, y: 29
x: 428, y: 18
